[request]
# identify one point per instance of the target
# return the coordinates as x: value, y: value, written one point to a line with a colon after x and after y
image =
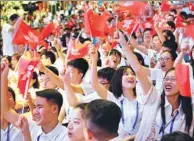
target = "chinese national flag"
x: 134, y: 8
x: 183, y: 79
x: 95, y: 23
x: 26, y: 68
x: 77, y: 49
x: 189, y: 31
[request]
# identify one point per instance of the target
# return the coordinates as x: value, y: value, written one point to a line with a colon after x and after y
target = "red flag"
x: 189, y: 31
x: 134, y: 8
x: 77, y: 49
x: 127, y: 25
x: 180, y: 22
x: 26, y: 68
x: 165, y: 6
x: 47, y: 30
x: 95, y: 24
x: 183, y: 79
x: 26, y: 35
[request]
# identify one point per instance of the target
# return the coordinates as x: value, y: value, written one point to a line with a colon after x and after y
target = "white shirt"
x: 151, y: 121
x: 7, y: 40
x: 91, y: 97
x: 129, y: 116
x: 59, y: 133
x: 14, y: 134
x: 157, y: 75
x: 116, y: 139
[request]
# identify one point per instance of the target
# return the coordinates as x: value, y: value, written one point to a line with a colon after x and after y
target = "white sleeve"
x: 149, y: 98
x: 87, y: 88
x: 154, y: 73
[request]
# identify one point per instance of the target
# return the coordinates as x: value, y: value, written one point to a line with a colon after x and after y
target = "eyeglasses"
x: 171, y: 79
x: 163, y: 59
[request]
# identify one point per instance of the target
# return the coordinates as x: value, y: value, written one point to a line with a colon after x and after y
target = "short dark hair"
x: 80, y: 64
x: 173, y: 54
x: 171, y: 24
x: 106, y: 73
x: 35, y: 77
x: 147, y: 29
x: 140, y: 58
x: 50, y: 55
x: 116, y: 81
x: 102, y: 117
x: 51, y: 68
x: 170, y: 44
x: 13, y: 17
x: 12, y: 93
x: 174, y: 11
x: 177, y: 136
x: 169, y: 35
x: 52, y: 96
x: 115, y: 52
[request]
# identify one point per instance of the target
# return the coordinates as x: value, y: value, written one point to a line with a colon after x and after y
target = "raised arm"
x: 132, y: 59
x: 181, y: 55
x: 57, y: 80
x: 102, y: 92
x: 141, y: 48
x: 70, y: 95
x: 7, y: 112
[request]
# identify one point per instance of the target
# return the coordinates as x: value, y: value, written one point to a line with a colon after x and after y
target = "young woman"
x: 123, y: 93
x: 76, y: 124
x: 165, y: 113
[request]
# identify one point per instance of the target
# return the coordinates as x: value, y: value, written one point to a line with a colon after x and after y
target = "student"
x: 8, y: 131
x: 102, y: 119
x: 7, y: 31
x: 167, y: 112
x: 123, y: 93
x: 45, y: 81
x: 76, y: 124
x: 46, y: 111
x: 48, y: 58
x: 176, y: 136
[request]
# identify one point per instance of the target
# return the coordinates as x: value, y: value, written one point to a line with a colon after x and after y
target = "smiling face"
x: 156, y: 43
x: 128, y: 79
x: 170, y: 84
x: 76, y: 126
x: 166, y: 61
x: 43, y: 111
x: 114, y: 60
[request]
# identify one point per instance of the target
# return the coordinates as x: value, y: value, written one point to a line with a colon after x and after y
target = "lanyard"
x: 171, y: 125
x: 8, y: 132
x: 38, y: 138
x: 136, y: 117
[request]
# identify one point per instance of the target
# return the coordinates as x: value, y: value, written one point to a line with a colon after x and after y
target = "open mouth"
x: 131, y: 81
x: 70, y: 134
x: 163, y: 66
x: 168, y: 87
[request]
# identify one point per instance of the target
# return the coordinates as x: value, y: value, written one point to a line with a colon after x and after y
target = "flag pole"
x: 25, y: 93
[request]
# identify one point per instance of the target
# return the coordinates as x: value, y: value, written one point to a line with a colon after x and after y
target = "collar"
x: 167, y: 104
x: 121, y: 98
x: 53, y: 134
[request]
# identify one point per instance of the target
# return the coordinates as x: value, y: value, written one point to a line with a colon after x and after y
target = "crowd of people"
x: 126, y: 87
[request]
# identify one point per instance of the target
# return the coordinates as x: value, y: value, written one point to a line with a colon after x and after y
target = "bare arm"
x: 132, y: 59
x: 71, y: 97
x: 8, y: 113
x: 58, y: 81
x: 141, y: 48
x: 102, y: 92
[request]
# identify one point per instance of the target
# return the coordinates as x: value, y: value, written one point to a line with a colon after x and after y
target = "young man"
x: 102, y: 119
x: 46, y: 111
x: 7, y: 31
x: 48, y: 58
